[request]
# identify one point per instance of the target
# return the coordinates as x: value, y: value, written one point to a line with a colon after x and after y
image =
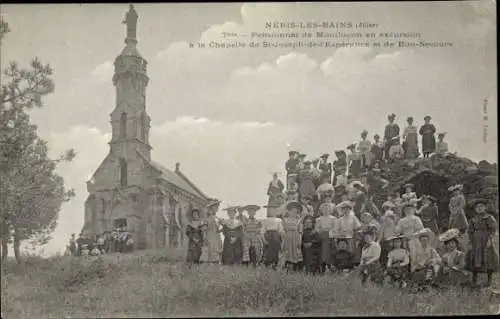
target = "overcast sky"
x: 229, y: 116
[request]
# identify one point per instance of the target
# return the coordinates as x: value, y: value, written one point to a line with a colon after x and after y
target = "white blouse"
x: 272, y: 223
x: 347, y: 224
x: 370, y: 253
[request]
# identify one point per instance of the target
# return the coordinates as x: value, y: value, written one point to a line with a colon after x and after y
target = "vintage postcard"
x: 249, y: 159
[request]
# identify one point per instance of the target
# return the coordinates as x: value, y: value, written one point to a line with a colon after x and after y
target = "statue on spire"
x: 131, y: 22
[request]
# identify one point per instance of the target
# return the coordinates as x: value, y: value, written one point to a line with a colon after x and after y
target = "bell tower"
x: 130, y: 122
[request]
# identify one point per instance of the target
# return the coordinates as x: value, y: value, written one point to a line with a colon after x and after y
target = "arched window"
x: 123, y: 172
x: 123, y: 125
x: 143, y: 126
x: 103, y: 206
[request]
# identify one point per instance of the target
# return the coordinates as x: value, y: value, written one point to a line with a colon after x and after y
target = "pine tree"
x: 31, y: 193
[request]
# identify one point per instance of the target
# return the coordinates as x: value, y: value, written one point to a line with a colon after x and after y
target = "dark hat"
x: 409, y: 118
x: 391, y: 116
x: 441, y: 134
x: 325, y: 155
x: 231, y: 208
x: 251, y: 207
x: 476, y: 201
x: 271, y: 206
x: 293, y: 205
x: 400, y: 237
x: 302, y: 155
x: 427, y: 117
x: 338, y: 153
x: 376, y: 135
x: 307, y: 162
x: 364, y: 132
x: 293, y: 152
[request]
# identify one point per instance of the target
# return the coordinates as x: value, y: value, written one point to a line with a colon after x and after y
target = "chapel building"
x: 129, y: 189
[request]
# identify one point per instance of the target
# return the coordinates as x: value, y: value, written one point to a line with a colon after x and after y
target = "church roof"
x: 180, y: 181
x: 175, y: 178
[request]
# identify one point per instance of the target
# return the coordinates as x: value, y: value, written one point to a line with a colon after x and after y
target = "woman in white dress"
x: 347, y: 226
x: 213, y: 241
x: 408, y: 226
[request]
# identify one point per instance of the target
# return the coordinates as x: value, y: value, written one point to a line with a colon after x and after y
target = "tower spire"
x: 131, y: 21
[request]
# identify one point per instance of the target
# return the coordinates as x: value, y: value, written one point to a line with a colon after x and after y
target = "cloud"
x: 104, y: 71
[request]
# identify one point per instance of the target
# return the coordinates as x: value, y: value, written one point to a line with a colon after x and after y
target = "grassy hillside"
x: 157, y: 285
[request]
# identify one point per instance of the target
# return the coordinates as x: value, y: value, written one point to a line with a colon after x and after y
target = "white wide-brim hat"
x: 346, y: 203
x: 426, y: 232
x: 450, y: 234
x: 455, y: 187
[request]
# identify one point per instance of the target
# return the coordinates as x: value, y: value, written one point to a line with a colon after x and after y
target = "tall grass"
x: 156, y: 284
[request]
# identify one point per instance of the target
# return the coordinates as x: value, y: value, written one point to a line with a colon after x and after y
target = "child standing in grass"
x: 343, y: 258
x: 292, y: 246
x: 398, y: 262
x: 311, y: 246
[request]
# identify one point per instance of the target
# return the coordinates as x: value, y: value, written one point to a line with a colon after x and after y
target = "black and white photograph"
x: 274, y: 159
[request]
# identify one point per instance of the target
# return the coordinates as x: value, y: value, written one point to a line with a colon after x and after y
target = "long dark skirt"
x: 326, y: 247
x: 358, y: 248
x: 272, y: 248
x: 312, y: 257
x: 232, y: 253
x: 355, y: 168
x: 194, y: 251
x: 386, y: 247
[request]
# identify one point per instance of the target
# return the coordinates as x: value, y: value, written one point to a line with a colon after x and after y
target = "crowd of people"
x: 324, y: 219
x: 392, y: 249
x: 118, y: 240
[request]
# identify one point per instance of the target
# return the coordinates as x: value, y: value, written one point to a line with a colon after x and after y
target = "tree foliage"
x: 479, y: 179
x: 31, y: 192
